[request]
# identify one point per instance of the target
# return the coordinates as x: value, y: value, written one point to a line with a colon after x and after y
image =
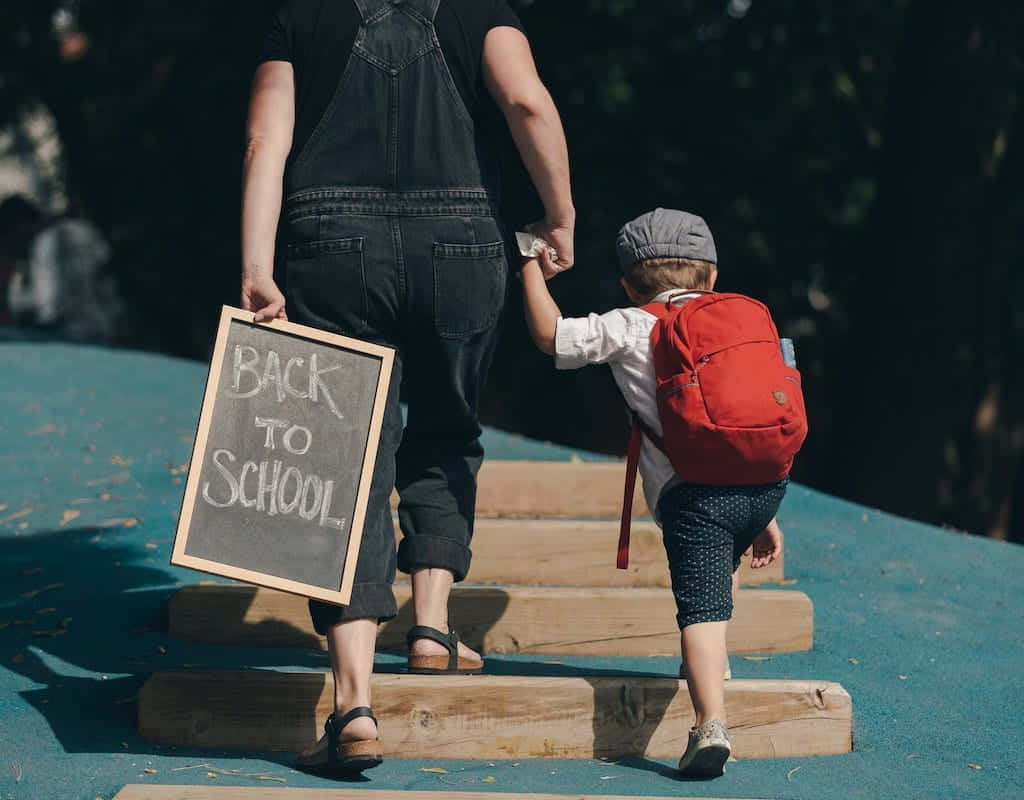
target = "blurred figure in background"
x: 52, y: 270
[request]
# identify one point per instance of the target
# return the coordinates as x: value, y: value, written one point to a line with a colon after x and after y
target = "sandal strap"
x: 335, y: 725
x: 355, y: 713
x: 450, y: 641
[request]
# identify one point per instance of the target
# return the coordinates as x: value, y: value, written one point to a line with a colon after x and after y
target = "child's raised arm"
x: 542, y: 313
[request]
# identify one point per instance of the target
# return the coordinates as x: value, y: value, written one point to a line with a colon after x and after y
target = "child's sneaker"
x: 706, y: 752
x: 725, y: 677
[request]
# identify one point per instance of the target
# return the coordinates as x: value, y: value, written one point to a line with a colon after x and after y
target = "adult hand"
x: 262, y: 296
x: 560, y: 237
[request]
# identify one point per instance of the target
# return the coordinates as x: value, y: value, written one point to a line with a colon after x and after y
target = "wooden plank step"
x: 151, y: 791
x: 553, y: 489
x: 558, y: 552
x: 545, y: 620
x: 489, y: 717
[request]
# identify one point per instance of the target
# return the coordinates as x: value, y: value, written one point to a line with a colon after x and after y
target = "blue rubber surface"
x: 922, y: 626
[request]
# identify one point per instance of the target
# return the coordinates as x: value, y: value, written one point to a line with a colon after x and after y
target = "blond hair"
x: 652, y: 276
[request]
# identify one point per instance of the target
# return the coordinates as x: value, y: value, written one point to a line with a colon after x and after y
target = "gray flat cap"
x: 665, y: 233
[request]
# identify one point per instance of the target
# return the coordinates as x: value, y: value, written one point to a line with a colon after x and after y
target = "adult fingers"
x: 269, y: 311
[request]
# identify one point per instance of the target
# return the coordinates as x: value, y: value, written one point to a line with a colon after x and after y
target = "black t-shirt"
x: 316, y: 36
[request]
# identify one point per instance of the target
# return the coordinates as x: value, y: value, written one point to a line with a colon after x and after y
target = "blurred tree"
x: 859, y: 162
x: 934, y: 408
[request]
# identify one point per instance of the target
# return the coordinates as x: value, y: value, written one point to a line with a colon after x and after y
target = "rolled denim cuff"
x: 434, y: 551
x: 368, y: 600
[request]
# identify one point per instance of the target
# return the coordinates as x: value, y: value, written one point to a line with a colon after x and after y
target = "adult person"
x: 366, y: 139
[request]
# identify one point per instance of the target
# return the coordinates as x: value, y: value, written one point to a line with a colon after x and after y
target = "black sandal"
x: 451, y: 664
x: 345, y: 758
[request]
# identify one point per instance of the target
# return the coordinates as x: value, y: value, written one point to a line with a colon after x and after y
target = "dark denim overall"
x: 391, y: 232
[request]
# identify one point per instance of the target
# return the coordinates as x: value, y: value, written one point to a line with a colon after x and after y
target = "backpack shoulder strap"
x: 632, y: 460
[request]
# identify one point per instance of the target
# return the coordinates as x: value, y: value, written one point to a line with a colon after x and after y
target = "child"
x: 706, y: 529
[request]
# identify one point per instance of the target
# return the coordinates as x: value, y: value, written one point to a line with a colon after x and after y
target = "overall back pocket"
x: 326, y: 284
x: 469, y: 287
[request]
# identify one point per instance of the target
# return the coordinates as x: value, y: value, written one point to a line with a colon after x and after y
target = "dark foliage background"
x: 859, y: 161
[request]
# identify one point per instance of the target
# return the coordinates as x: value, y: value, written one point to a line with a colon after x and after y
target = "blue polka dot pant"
x: 706, y: 529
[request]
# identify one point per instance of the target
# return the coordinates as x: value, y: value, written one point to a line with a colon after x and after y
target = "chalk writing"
x: 245, y: 369
x: 278, y: 489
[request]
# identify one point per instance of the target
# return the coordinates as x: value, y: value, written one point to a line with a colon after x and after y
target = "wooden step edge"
x: 559, y: 552
x: 552, y: 489
x: 487, y: 717
x: 513, y: 619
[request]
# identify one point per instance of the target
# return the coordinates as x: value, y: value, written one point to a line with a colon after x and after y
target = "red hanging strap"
x: 632, y: 459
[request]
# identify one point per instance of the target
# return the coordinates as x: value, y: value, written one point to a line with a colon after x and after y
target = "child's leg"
x: 705, y: 658
x: 700, y: 556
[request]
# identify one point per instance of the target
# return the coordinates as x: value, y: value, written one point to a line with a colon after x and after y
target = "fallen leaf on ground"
x: 42, y: 589
x: 17, y: 515
x: 68, y: 515
x: 974, y: 766
x: 119, y: 522
x: 23, y: 525
x: 902, y: 677
x: 912, y: 755
x: 211, y: 774
x: 436, y: 770
x: 117, y: 461
x: 854, y: 661
x: 3, y: 506
x: 149, y: 771
x: 489, y: 779
x: 161, y: 649
x: 115, y: 479
x: 791, y: 773
x: 105, y: 496
x: 787, y: 582
x: 151, y: 545
x: 81, y: 501
x: 757, y: 658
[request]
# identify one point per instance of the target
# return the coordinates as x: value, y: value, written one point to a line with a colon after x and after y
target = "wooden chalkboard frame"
x: 179, y: 558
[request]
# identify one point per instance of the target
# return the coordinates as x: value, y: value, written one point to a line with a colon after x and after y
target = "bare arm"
x: 269, y: 139
x: 542, y: 312
x: 511, y: 77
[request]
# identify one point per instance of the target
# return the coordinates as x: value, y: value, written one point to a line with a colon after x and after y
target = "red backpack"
x: 731, y: 411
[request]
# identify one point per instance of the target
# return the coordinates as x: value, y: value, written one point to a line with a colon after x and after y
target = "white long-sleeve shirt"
x: 621, y: 338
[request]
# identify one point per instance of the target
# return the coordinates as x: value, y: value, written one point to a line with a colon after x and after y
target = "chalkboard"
x: 283, y: 457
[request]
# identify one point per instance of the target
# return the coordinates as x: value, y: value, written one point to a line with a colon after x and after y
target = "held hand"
x: 560, y: 237
x: 767, y: 546
x: 262, y: 296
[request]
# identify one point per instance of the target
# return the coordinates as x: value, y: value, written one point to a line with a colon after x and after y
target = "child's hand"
x: 767, y: 546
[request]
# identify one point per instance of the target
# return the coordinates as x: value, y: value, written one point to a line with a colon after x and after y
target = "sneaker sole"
x: 708, y: 762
